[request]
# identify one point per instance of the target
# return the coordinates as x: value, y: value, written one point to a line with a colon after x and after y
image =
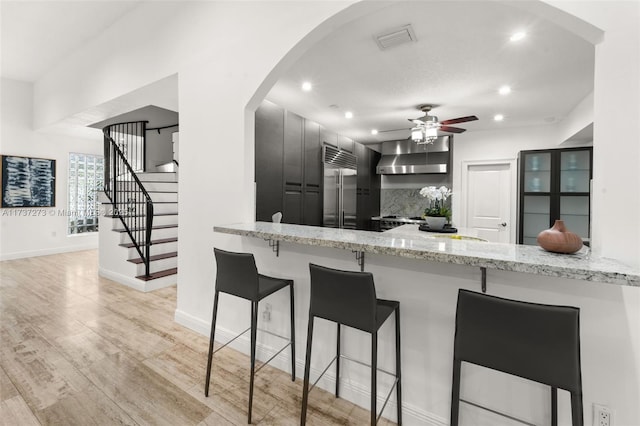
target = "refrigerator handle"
x: 340, y: 200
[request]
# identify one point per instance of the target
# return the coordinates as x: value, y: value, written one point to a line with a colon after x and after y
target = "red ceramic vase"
x: 558, y: 239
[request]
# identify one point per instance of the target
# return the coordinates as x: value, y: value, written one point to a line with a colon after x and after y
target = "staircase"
x: 138, y: 239
x: 119, y: 259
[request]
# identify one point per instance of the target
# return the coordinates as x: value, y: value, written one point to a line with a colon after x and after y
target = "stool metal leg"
x: 213, y: 332
x: 576, y: 409
x: 293, y: 336
x: 455, y: 393
x: 554, y: 406
x: 374, y: 377
x: 254, y: 329
x: 398, y: 368
x: 307, y: 368
x: 338, y: 364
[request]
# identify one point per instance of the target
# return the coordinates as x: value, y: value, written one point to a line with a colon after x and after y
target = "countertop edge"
x: 578, y: 273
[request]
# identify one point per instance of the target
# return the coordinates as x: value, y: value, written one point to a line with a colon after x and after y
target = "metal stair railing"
x: 124, y: 153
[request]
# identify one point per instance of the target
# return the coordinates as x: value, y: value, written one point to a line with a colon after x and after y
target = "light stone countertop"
x: 507, y: 257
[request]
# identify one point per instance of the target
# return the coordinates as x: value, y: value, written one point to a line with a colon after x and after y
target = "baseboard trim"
x: 47, y: 252
x: 357, y: 393
x: 133, y: 282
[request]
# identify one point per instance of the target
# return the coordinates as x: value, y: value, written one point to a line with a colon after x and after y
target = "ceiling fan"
x: 427, y: 127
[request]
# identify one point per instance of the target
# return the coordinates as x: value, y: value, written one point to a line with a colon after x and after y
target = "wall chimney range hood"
x: 405, y: 157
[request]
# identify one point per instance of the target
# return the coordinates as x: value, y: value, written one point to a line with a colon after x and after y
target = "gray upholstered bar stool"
x: 237, y: 275
x: 349, y: 298
x: 533, y: 341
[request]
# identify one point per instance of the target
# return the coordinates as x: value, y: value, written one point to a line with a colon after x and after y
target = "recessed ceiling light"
x: 498, y: 117
x: 374, y: 131
x: 348, y: 114
x: 306, y: 86
x: 504, y: 90
x: 518, y: 36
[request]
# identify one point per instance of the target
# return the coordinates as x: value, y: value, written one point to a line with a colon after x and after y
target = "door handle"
x: 504, y: 224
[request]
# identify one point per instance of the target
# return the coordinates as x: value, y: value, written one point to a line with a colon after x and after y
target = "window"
x: 86, y: 177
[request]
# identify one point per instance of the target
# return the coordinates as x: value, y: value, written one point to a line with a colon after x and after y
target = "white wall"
x: 496, y: 145
x: 25, y: 236
x: 616, y: 175
x: 218, y: 78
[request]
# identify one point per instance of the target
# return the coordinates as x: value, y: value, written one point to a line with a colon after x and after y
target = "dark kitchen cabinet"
x: 288, y: 166
x: 327, y: 136
x: 368, y: 187
x: 554, y: 184
x: 312, y: 189
x: 346, y: 143
x: 269, y: 136
x: 293, y: 168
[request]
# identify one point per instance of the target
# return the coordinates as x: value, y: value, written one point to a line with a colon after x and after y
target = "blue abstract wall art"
x: 28, y: 182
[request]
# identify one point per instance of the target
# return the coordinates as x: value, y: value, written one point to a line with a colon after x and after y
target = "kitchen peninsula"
x: 424, y: 271
x: 407, y: 241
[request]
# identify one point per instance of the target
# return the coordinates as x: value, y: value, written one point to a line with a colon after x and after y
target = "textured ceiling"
x: 461, y: 57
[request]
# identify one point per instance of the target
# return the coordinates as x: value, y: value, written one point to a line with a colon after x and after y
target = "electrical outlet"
x: 602, y: 416
x: 266, y: 314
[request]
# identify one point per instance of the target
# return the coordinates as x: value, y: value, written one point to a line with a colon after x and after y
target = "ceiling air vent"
x: 395, y: 37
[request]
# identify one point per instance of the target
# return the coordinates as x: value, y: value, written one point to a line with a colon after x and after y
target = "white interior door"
x: 489, y: 205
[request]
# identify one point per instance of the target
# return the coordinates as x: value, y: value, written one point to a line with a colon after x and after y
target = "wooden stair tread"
x: 142, y: 229
x: 141, y: 202
x: 153, y: 242
x: 161, y: 256
x: 158, y: 274
x: 144, y: 215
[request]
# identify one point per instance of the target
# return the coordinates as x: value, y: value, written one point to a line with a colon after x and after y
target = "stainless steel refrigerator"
x: 340, y: 182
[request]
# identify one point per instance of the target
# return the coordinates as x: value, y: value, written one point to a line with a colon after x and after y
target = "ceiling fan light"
x: 431, y: 133
x: 417, y: 134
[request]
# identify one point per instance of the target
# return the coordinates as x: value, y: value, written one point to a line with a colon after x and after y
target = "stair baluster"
x: 123, y: 145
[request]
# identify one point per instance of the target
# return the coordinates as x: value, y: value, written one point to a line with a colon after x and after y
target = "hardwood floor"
x: 77, y: 349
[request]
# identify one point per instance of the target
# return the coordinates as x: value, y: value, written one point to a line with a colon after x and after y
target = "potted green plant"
x: 437, y: 213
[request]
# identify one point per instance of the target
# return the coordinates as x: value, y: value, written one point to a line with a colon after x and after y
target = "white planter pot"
x: 436, y: 222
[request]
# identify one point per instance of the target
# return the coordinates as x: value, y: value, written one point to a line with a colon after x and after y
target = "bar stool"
x: 237, y: 275
x: 349, y: 298
x: 533, y: 341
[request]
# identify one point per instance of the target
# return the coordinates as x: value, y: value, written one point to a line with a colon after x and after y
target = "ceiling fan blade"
x: 392, y: 130
x: 450, y: 129
x: 459, y: 120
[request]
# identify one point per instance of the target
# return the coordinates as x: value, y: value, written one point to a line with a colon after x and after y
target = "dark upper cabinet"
x: 312, y: 154
x: 293, y: 168
x: 345, y: 143
x: 288, y: 166
x: 293, y: 154
x: 327, y: 136
x: 312, y: 189
x: 368, y: 186
x: 269, y: 136
x: 364, y: 156
x: 554, y: 184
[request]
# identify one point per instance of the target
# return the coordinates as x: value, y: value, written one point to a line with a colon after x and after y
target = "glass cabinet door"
x: 537, y: 172
x: 536, y: 217
x: 574, y: 210
x: 575, y: 171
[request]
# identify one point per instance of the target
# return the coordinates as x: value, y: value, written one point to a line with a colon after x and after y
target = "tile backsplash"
x: 402, y: 202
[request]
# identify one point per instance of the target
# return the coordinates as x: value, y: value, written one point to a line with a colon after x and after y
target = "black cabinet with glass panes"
x: 554, y: 184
